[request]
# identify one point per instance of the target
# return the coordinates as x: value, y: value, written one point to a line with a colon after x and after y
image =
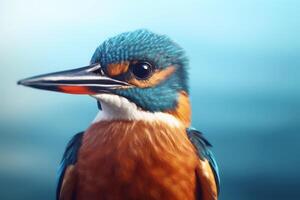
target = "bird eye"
x: 141, y: 70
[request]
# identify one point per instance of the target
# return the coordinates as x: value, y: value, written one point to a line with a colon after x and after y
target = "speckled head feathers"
x: 157, y: 49
x: 140, y: 45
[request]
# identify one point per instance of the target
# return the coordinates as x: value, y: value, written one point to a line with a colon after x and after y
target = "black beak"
x: 86, y: 80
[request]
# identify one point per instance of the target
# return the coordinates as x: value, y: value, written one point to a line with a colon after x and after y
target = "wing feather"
x: 207, y: 172
x: 66, y: 171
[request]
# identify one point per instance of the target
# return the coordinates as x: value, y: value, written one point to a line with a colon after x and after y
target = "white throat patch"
x: 116, y: 107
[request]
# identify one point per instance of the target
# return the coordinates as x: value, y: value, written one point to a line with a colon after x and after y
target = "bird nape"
x: 140, y: 145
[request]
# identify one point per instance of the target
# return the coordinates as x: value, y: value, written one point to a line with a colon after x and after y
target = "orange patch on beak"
x: 75, y: 89
x: 116, y: 69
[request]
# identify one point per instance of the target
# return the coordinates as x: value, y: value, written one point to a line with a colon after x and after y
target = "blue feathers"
x: 140, y: 45
x: 159, y: 50
x: 203, y: 149
x: 160, y: 98
x: 69, y: 158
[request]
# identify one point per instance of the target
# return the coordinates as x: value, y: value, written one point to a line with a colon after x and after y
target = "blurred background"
x: 244, y: 80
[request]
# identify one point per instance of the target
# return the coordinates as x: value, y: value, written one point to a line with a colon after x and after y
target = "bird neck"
x: 115, y: 107
x: 183, y: 110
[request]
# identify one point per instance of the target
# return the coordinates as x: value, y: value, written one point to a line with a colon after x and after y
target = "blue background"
x: 244, y: 80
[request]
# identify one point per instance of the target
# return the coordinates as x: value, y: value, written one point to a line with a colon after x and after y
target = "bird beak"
x: 86, y: 80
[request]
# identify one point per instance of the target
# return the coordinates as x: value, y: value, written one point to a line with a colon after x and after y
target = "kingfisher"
x: 141, y: 145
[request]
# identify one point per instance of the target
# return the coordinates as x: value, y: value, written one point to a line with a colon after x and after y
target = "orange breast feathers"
x: 136, y: 160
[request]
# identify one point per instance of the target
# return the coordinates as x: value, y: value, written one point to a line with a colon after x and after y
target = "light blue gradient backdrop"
x: 244, y: 80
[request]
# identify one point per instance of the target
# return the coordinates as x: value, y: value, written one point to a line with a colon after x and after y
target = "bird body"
x: 132, y: 162
x: 140, y: 146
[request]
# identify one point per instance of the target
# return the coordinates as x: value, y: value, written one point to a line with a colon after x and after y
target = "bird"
x: 141, y: 145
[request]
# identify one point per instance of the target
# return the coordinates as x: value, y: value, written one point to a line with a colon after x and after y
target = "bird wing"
x: 208, y: 179
x: 66, y: 173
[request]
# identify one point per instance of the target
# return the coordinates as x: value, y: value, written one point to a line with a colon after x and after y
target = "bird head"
x: 133, y: 71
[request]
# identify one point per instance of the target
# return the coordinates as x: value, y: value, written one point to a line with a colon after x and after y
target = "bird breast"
x: 136, y: 160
